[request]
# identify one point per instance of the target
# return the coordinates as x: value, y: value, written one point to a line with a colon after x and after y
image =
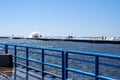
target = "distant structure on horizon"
x: 35, y: 35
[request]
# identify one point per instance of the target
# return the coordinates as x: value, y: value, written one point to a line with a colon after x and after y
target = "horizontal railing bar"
x: 36, y: 61
x: 20, y: 57
x: 93, y: 62
x: 2, y: 53
x: 3, y: 43
x: 111, y: 65
x: 33, y: 47
x: 53, y: 55
x: 93, y: 54
x: 50, y: 49
x: 80, y: 72
x: 49, y: 64
x: 83, y: 60
x: 53, y: 65
x: 105, y: 78
x: 30, y: 67
x: 33, y: 60
x: 1, y: 46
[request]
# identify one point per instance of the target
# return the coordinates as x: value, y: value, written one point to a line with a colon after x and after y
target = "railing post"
x: 66, y: 65
x: 6, y: 49
x: 96, y: 67
x: 43, y: 64
x: 15, y: 54
x: 63, y: 66
x: 27, y: 62
x: 15, y: 60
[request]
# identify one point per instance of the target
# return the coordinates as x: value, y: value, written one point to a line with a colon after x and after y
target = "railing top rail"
x: 34, y: 47
x: 94, y: 54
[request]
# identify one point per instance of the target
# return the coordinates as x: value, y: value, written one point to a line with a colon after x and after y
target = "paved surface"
x: 16, y: 74
x: 7, y: 73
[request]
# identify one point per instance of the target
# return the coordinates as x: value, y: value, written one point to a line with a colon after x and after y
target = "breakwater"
x: 79, y: 40
x: 72, y: 40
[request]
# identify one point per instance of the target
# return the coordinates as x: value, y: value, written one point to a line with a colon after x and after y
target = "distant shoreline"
x: 72, y: 40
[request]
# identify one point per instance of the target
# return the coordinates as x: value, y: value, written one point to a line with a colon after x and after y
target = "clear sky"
x: 60, y: 17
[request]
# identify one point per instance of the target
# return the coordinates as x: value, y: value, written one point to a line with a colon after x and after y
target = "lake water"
x: 81, y: 46
x: 66, y: 45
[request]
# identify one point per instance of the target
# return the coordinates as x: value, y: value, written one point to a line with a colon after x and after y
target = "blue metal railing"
x: 64, y: 56
x: 96, y: 62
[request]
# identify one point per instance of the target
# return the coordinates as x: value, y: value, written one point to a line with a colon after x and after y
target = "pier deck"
x: 17, y: 74
x: 7, y: 73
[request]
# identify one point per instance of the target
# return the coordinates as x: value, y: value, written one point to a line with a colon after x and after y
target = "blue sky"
x: 60, y: 17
